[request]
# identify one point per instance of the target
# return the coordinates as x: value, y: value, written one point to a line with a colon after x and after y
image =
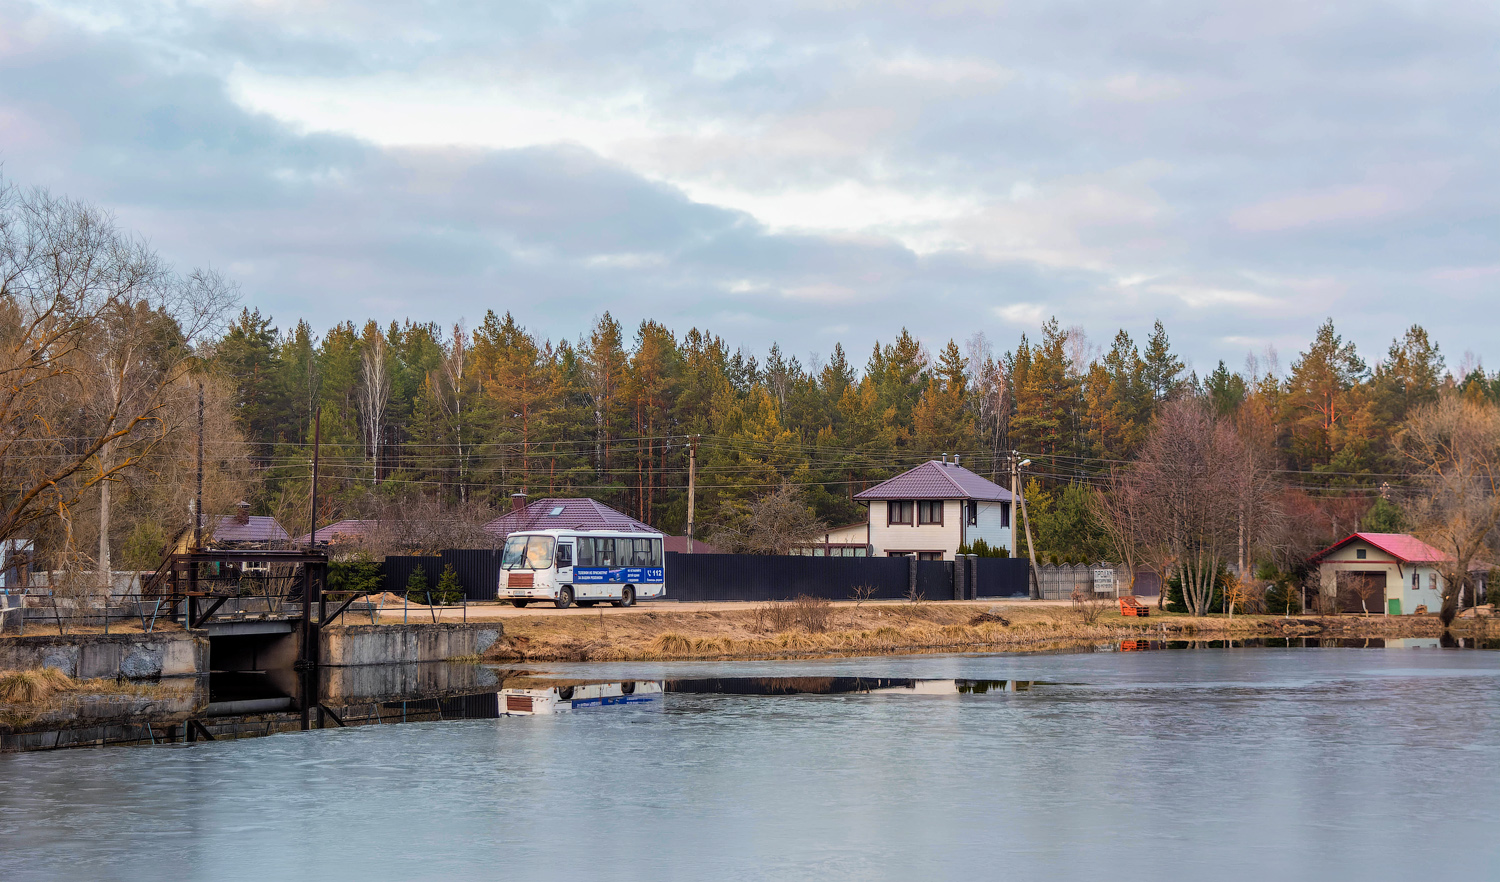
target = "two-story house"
x: 933, y: 509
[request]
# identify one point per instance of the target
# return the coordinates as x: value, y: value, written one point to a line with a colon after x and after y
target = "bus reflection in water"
x: 561, y: 699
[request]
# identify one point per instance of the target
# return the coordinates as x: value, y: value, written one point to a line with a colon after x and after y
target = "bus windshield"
x: 527, y: 553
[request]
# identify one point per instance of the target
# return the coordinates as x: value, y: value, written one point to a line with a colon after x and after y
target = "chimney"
x: 955, y: 460
x: 518, y: 501
x: 242, y: 512
x: 945, y: 459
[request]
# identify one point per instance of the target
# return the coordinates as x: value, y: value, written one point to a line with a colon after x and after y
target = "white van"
x: 582, y: 566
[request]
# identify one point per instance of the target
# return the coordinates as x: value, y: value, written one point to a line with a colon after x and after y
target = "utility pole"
x: 317, y: 442
x: 1015, y: 492
x: 692, y: 486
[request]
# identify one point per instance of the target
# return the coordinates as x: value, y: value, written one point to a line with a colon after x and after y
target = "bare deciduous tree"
x: 774, y: 524
x: 97, y: 336
x: 1454, y: 449
x: 1193, y: 481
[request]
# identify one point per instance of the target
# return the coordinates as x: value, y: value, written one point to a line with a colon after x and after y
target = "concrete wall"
x: 388, y: 644
x: 86, y: 656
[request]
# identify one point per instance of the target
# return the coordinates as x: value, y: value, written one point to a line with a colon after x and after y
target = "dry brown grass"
x: 811, y: 614
x: 33, y: 686
x: 38, y: 686
x: 1089, y: 606
x: 683, y: 632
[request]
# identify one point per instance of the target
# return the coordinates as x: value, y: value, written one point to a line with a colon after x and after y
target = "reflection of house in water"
x: 1390, y: 572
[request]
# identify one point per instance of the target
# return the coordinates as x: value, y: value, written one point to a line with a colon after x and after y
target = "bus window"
x: 539, y: 552
x: 604, y: 553
x: 585, y: 552
x: 564, y: 555
x: 642, y: 553
x: 527, y: 552
x: 655, y: 552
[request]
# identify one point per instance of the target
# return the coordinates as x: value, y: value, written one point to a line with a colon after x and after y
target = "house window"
x: 973, y: 513
x: 898, y: 512
x: 1416, y: 581
x: 1005, y: 514
x: 929, y: 555
x: 930, y: 512
x: 1359, y: 554
x: 1432, y: 581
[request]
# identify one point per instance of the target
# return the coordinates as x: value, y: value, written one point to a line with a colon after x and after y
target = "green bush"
x: 981, y: 548
x: 360, y: 573
x: 416, y: 586
x: 448, y: 589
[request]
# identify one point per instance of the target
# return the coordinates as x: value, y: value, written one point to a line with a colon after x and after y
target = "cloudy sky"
x: 796, y: 172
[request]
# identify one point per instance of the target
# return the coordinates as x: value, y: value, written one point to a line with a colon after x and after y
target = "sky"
x: 803, y: 173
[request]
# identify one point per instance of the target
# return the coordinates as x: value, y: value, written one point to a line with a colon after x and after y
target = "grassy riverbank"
x: 662, y: 632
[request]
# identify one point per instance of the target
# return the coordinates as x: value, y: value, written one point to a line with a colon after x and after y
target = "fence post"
x: 911, y: 576
x: 971, y: 577
x: 957, y: 573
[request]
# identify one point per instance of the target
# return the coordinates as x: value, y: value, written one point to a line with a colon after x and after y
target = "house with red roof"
x: 1390, y: 572
x: 933, y: 509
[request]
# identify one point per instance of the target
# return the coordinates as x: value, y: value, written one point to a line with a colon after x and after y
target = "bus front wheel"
x: 519, y: 604
x: 564, y: 598
x: 627, y: 596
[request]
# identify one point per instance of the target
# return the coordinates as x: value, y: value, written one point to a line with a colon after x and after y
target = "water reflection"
x: 842, y: 686
x: 1447, y: 641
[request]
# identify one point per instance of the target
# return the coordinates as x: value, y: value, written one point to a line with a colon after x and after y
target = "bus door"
x: 563, y: 560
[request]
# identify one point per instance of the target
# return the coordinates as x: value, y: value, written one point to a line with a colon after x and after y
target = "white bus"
x: 582, y: 566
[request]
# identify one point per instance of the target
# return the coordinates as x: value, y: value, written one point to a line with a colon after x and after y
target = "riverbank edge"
x: 906, y: 629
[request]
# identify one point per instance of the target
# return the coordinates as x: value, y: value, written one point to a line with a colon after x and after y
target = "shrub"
x: 1089, y: 606
x: 416, y: 586
x: 981, y: 548
x: 359, y: 573
x: 448, y: 588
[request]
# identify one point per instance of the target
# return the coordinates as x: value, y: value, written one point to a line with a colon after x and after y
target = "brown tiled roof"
x: 256, y: 528
x: 679, y: 545
x: 566, y: 514
x: 937, y: 480
x: 347, y: 529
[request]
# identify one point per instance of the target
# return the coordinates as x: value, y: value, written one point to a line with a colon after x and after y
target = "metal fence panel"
x: 478, y: 571
x: 1003, y: 577
x: 783, y: 577
x: 399, y: 567
x: 935, y: 579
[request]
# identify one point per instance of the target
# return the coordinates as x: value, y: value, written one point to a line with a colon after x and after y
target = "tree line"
x: 452, y: 419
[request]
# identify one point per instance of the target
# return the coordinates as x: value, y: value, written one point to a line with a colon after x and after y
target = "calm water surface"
x: 1201, y: 764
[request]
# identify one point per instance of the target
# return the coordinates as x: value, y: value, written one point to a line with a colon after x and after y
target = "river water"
x: 1187, y: 764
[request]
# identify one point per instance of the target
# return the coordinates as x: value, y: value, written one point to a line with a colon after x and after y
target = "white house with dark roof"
x: 933, y: 509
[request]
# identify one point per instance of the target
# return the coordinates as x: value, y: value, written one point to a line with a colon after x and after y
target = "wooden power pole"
x: 692, y: 487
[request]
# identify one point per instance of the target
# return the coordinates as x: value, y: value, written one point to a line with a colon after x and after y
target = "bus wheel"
x: 519, y: 604
x: 564, y: 598
x: 627, y: 596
